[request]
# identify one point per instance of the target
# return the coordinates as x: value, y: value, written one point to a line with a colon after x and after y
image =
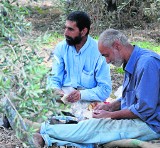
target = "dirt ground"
x: 7, y: 136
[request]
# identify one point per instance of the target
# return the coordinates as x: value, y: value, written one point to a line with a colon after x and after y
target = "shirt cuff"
x: 85, y: 96
x: 134, y: 111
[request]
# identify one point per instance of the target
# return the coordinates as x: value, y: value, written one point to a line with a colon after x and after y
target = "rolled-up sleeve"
x: 147, y: 91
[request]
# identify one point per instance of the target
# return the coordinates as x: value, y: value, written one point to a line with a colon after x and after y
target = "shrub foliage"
x: 121, y: 14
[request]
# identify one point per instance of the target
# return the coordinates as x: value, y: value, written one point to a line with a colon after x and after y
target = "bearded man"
x: 78, y: 66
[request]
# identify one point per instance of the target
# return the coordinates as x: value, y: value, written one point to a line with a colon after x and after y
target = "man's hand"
x: 74, y: 96
x: 101, y: 114
x: 114, y: 106
x: 59, y: 93
x: 106, y: 107
x: 106, y: 110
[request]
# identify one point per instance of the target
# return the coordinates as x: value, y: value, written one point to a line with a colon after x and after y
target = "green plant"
x: 119, y: 70
x: 120, y: 14
x: 45, y: 40
x: 12, y: 21
x: 22, y: 71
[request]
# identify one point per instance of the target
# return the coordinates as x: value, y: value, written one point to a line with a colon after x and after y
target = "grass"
x: 148, y: 45
x: 50, y: 38
x: 119, y: 70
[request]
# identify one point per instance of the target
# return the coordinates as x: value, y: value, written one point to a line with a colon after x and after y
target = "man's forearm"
x: 114, y: 106
x: 123, y: 114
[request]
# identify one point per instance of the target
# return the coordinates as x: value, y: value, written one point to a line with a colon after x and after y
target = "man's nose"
x: 66, y: 32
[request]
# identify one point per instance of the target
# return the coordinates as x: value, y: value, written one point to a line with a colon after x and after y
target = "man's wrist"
x: 79, y: 94
x: 114, y: 106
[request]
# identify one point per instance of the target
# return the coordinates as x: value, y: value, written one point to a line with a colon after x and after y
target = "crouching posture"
x: 136, y: 115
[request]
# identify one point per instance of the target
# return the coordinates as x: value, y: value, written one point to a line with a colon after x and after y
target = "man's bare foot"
x: 38, y: 141
x: 30, y: 123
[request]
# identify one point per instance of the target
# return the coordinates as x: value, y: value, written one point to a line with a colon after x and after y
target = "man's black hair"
x: 81, y: 18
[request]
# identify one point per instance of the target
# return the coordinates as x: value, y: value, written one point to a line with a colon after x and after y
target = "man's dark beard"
x: 73, y: 41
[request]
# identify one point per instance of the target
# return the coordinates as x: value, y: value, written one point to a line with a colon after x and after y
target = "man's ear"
x: 116, y: 45
x: 84, y: 31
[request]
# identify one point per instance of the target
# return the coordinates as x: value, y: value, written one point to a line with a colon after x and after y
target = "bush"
x: 120, y: 14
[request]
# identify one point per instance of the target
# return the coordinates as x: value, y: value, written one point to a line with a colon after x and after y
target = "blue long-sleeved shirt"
x: 141, y: 87
x: 86, y: 69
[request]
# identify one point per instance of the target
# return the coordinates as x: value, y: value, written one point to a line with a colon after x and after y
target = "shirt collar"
x: 132, y: 60
x: 85, y: 46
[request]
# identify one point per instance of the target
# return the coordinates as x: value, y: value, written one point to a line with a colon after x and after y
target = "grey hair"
x: 108, y: 37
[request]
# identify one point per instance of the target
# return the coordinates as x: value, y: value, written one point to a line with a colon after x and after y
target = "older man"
x: 135, y: 115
